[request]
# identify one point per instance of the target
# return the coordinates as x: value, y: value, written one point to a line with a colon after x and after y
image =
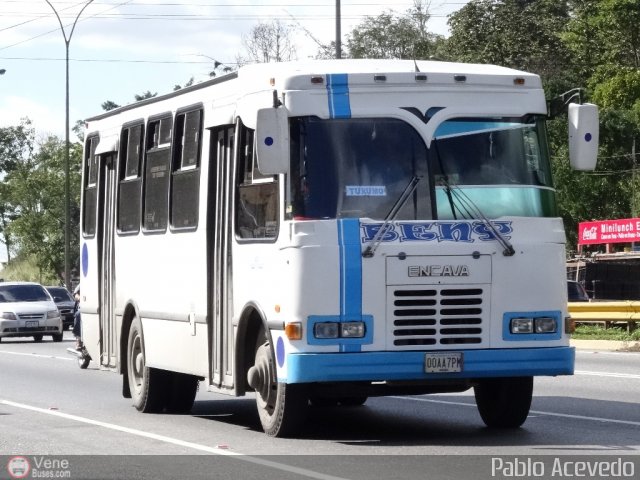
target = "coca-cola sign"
x: 609, y: 231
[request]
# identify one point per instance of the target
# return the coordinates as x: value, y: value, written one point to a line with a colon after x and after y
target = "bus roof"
x: 287, y: 75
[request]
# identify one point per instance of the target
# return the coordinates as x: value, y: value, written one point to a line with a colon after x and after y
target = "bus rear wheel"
x: 504, y: 402
x: 147, y: 385
x: 282, y: 407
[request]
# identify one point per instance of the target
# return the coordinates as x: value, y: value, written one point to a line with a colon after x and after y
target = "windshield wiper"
x: 470, y: 208
x: 393, y: 213
x: 474, y: 211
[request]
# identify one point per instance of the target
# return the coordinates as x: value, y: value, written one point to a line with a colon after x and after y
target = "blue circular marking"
x: 587, y: 137
x: 280, y: 352
x: 85, y: 260
x: 268, y: 141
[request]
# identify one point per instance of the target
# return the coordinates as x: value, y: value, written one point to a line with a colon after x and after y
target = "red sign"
x: 609, y: 231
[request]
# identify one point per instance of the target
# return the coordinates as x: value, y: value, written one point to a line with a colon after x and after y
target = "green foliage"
x: 514, y: 33
x: 32, y: 200
x: 27, y: 270
x: 597, y: 332
x: 392, y: 36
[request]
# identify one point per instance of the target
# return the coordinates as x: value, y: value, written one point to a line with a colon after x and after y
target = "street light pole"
x: 67, y: 200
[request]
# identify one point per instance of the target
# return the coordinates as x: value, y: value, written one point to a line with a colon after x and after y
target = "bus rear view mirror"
x: 583, y: 136
x: 272, y: 141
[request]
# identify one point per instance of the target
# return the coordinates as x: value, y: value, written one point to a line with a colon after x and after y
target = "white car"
x: 27, y: 310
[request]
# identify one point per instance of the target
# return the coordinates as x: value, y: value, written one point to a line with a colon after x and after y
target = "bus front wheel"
x: 504, y: 402
x: 146, y: 384
x: 282, y: 407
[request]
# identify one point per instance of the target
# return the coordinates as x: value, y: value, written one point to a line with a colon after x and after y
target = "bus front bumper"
x: 393, y: 366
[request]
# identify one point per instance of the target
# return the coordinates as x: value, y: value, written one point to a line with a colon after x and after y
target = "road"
x: 48, y: 406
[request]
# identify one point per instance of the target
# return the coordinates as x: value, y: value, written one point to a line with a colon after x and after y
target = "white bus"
x: 318, y: 233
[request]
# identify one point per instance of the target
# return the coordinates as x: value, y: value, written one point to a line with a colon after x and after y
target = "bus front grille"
x: 437, y: 317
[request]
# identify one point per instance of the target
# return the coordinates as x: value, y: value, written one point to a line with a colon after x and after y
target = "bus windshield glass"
x: 356, y: 168
x: 359, y: 167
x: 500, y: 165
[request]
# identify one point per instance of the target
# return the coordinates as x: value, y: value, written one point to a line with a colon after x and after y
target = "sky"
x: 120, y: 48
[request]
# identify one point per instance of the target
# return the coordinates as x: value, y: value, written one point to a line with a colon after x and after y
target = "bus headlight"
x: 545, y: 325
x: 352, y: 330
x: 522, y: 325
x: 326, y: 330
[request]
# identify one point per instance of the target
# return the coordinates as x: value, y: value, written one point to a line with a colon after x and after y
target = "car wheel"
x: 37, y: 338
x: 57, y: 337
x: 83, y: 361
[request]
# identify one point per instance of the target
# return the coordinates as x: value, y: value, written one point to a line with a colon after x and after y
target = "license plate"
x: 33, y: 323
x: 446, y: 362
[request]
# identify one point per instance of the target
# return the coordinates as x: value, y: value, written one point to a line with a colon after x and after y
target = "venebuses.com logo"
x: 38, y: 467
x: 18, y: 467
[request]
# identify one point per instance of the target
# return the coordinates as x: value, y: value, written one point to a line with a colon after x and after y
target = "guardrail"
x: 606, y: 313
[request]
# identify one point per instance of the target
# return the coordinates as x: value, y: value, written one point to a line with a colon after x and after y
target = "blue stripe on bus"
x: 350, y: 268
x: 338, y: 95
x: 380, y: 366
x: 350, y: 252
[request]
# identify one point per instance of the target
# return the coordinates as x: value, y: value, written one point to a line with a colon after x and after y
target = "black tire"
x: 83, y: 361
x: 181, y: 393
x: 504, y: 402
x: 147, y: 385
x: 56, y: 337
x: 282, y: 407
x: 352, y: 401
x: 37, y: 338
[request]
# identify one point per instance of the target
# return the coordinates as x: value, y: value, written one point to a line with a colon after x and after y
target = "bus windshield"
x: 501, y: 165
x: 356, y: 168
x: 359, y: 167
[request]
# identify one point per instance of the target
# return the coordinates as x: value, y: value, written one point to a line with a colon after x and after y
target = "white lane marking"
x: 537, y: 412
x: 174, y: 441
x: 607, y: 374
x: 37, y: 355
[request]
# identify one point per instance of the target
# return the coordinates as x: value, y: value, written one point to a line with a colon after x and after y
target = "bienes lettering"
x: 436, y: 231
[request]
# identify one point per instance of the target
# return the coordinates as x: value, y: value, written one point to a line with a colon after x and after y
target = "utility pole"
x: 67, y: 199
x: 338, y: 32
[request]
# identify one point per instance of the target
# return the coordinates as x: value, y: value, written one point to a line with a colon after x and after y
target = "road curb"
x: 606, y: 345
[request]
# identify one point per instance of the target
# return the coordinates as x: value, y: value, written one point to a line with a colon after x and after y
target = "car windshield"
x: 60, y: 294
x: 23, y: 293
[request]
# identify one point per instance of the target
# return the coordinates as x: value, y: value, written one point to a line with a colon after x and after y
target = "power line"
x: 112, y: 60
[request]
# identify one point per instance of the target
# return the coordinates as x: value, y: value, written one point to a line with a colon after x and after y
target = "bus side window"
x: 257, y: 194
x: 130, y: 181
x: 90, y: 187
x: 185, y: 171
x: 156, y: 175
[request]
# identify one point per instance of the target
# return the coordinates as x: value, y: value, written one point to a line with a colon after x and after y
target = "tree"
x: 36, y: 198
x: 395, y: 36
x: 110, y: 105
x: 268, y: 42
x: 16, y: 144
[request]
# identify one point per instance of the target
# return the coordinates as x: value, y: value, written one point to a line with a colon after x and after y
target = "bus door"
x: 107, y: 222
x: 219, y: 231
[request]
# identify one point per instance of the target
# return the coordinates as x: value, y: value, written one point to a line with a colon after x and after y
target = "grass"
x: 596, y: 332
